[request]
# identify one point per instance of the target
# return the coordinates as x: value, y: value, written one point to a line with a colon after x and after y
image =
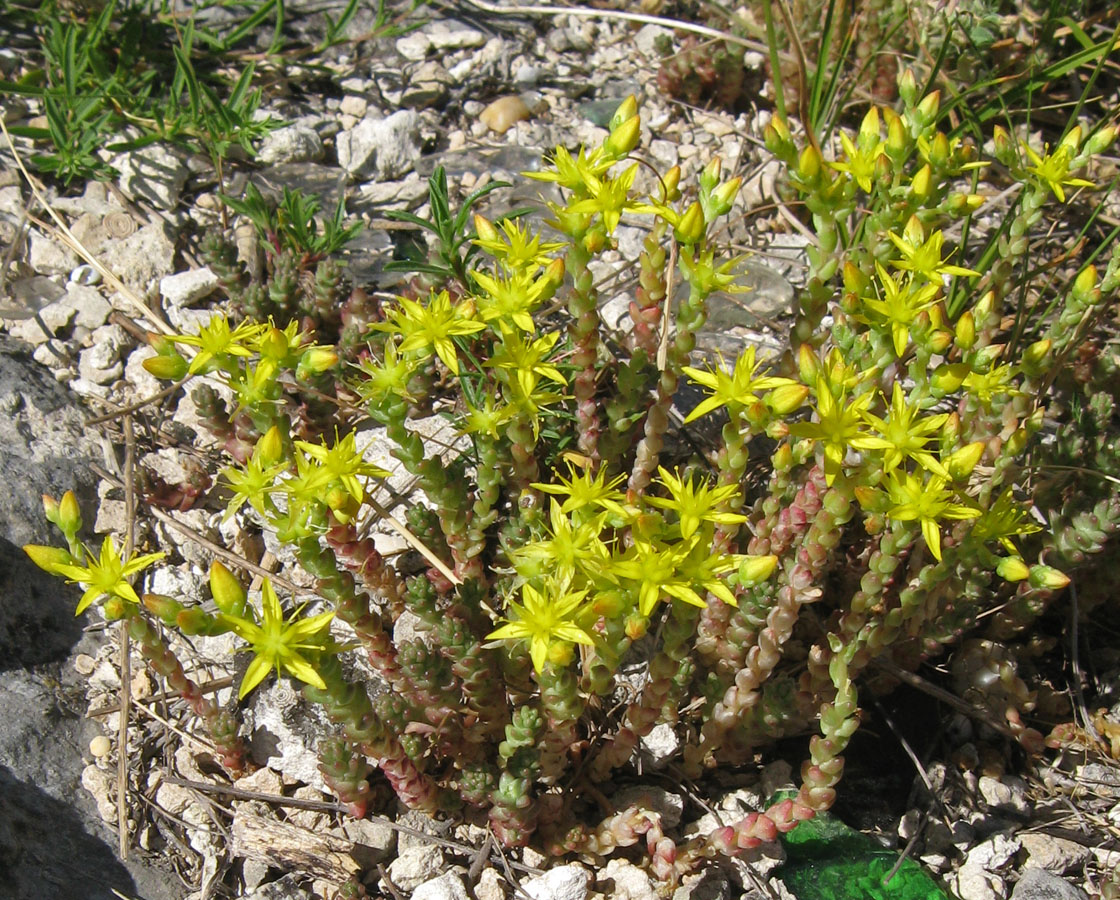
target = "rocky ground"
x: 483, y: 95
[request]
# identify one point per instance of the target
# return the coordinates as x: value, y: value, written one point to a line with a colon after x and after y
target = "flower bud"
x: 670, y: 181
x: 724, y: 196
x: 69, y: 515
x: 948, y: 377
x: 692, y: 227
x: 896, y: 134
x: 939, y: 150
x: 50, y: 509
x: 950, y: 431
x: 274, y: 344
x: 756, y: 569
x: 926, y: 112
x: 868, y: 135
x: 595, y: 240
x: 485, y: 229
x: 194, y: 621
x: 855, y: 279
x: 115, y: 608
x: 922, y: 182
x: 1036, y: 358
x: 163, y: 607
x: 1011, y: 568
x: 1045, y: 578
x: 1085, y: 283
x: 965, y: 333
x: 1017, y: 443
x: 785, y: 399
x: 627, y: 110
x: 907, y: 87
x: 269, y: 449
x: 48, y: 558
x: 171, y: 367
x: 940, y: 340
x: 1101, y: 140
x: 709, y: 178
x: 636, y: 626
x: 1072, y: 141
x: 316, y: 360
x: 1004, y: 146
x: 986, y: 357
x: 960, y: 204
x: 624, y: 138
x: 961, y: 463
x: 228, y: 594
x: 808, y: 365
x: 809, y: 164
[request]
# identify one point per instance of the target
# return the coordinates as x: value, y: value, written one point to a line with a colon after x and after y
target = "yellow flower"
x: 903, y: 435
x: 276, y: 643
x: 923, y: 257
x: 1053, y: 169
x: 900, y: 305
x: 694, y: 505
x: 433, y: 326
x: 839, y: 423
x: 737, y: 390
x: 104, y: 576
x: 215, y: 340
x: 544, y: 618
x: 926, y: 502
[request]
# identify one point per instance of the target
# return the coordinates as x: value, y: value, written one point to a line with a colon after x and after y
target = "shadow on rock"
x: 37, y: 622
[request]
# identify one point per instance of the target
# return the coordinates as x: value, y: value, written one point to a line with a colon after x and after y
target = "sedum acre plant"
x: 562, y: 539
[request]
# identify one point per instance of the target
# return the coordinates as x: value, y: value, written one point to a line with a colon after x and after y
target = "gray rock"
x: 562, y: 883
x: 153, y: 173
x: 141, y: 259
x: 91, y: 309
x: 385, y: 147
x: 668, y: 805
x: 416, y: 865
x: 1055, y: 854
x: 47, y: 256
x: 449, y: 886
x: 646, y: 39
x: 1038, y: 884
x: 47, y: 448
x: 974, y: 883
x: 187, y: 288
x: 710, y: 884
x: 294, y: 143
x: 285, y: 729
x: 660, y: 745
x: 286, y: 888
x: 622, y: 880
x: 374, y: 840
x: 427, y: 86
x: 1006, y: 795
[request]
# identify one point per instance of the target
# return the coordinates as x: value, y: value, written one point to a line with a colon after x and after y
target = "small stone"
x: 1038, y: 884
x: 427, y: 86
x: 455, y: 38
x: 91, y: 309
x: 973, y: 883
x: 1055, y: 854
x: 416, y: 865
x: 386, y: 147
x: 285, y: 888
x: 143, y: 258
x: 84, y: 664
x: 294, y: 143
x: 1006, y: 795
x: 262, y: 781
x: 374, y: 841
x: 664, y: 153
x: 187, y: 288
x: 414, y: 46
x: 153, y: 173
x: 448, y: 886
x: 491, y: 886
x: 648, y: 37
x: 353, y: 105
x: 655, y: 799
x: 48, y: 257
x: 503, y: 113
x: 562, y: 883
x: 660, y: 745
x: 100, y: 747
x: 625, y: 881
x: 994, y: 854
x: 85, y: 274
x: 102, y: 785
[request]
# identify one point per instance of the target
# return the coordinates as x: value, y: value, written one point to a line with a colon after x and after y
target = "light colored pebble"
x: 503, y: 113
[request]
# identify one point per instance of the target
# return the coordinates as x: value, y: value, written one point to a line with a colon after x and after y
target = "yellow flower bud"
x: 1047, y: 579
x: 809, y: 164
x: 896, y: 133
x: 927, y: 109
x: 270, y: 447
x: 485, y: 228
x: 966, y: 331
x: 939, y: 150
x: 1011, y: 568
x: 1072, y: 140
x: 869, y: 129
x: 785, y: 399
x: 907, y: 87
x: 724, y: 195
x: 48, y: 558
x: 1036, y: 358
x: 961, y: 463
x: 808, y: 364
x: 709, y: 178
x: 1101, y: 140
x: 692, y: 227
x: 167, y: 368
x: 315, y: 361
x: 228, y: 594
x: 624, y: 138
x: 670, y: 181
x: 627, y: 110
x: 984, y: 308
x: 756, y: 569
x: 1004, y: 146
x: 922, y: 182
x: 50, y: 509
x: 69, y: 514
x: 940, y: 340
x: 1086, y: 281
x: 274, y: 344
x: 948, y: 377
